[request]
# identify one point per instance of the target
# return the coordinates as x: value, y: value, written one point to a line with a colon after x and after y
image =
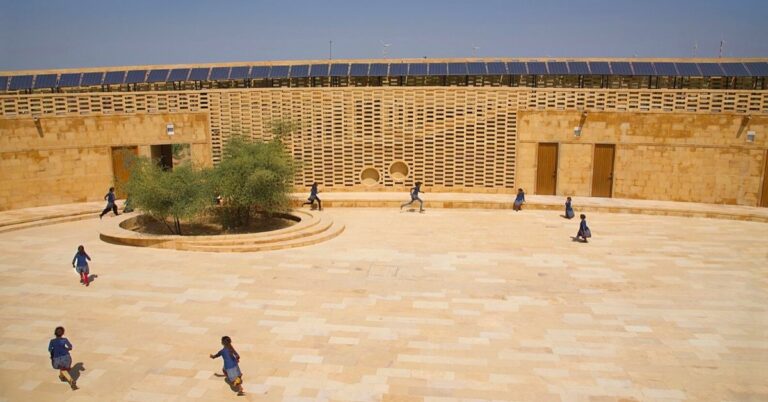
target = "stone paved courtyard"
x: 450, y: 305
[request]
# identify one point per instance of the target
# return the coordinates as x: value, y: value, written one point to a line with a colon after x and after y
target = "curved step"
x: 318, y: 227
x: 333, y: 230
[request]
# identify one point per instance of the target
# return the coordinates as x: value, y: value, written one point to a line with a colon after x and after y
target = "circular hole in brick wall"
x: 398, y: 171
x: 370, y: 176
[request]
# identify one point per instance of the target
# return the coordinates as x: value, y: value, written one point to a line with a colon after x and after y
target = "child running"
x: 313, y: 197
x: 584, y: 232
x: 519, y: 200
x: 82, y: 258
x: 111, y: 205
x: 415, y: 197
x: 231, y: 369
x: 59, y: 348
x: 568, y: 210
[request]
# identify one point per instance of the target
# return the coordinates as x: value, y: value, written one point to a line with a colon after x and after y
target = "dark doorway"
x: 163, y: 156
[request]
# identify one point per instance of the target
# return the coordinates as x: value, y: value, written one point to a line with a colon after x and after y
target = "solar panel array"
x: 625, y: 68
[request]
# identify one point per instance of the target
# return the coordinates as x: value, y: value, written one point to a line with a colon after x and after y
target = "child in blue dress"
x: 59, y: 348
x: 584, y: 232
x: 568, y: 209
x: 519, y: 200
x: 231, y: 369
x: 80, y: 263
x: 313, y: 197
x: 415, y: 190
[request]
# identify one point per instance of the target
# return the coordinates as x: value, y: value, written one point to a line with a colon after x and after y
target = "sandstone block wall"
x: 58, y: 160
x: 662, y: 156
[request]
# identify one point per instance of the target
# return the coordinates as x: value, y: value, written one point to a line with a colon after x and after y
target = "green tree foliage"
x: 172, y: 195
x: 252, y: 178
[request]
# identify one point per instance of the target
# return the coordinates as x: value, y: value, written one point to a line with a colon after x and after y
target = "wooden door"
x: 764, y: 196
x: 546, y: 172
x: 602, y: 170
x: 122, y: 160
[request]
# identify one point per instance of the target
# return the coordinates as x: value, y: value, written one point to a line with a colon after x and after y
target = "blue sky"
x: 37, y: 34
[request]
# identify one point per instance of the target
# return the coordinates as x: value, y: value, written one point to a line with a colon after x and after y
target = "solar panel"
x: 711, y: 70
x: 437, y: 69
x: 417, y: 69
x: 475, y: 69
x: 600, y: 68
x: 517, y: 68
x: 157, y: 76
x: 91, y: 79
x: 339, y: 70
x: 497, y: 68
x: 358, y: 70
x: 239, y: 73
x: 640, y: 68
x: 259, y: 72
x: 45, y: 81
x: 620, y: 68
x: 537, y: 67
x: 757, y: 69
x: 136, y: 76
x: 178, y: 74
x: 734, y: 70
x: 318, y: 70
x: 578, y: 67
x: 557, y: 68
x: 665, y: 68
x: 219, y: 74
x: 114, y: 77
x: 301, y: 71
x: 398, y: 70
x: 457, y: 68
x: 199, y: 74
x: 21, y: 82
x: 688, y: 70
x: 3, y: 83
x: 279, y: 72
x: 378, y: 70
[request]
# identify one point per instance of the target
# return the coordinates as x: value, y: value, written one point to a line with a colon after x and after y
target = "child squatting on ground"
x: 80, y: 263
x: 519, y: 200
x: 231, y: 369
x: 59, y: 348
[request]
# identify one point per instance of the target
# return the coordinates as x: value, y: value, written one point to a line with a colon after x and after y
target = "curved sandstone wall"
x: 670, y: 145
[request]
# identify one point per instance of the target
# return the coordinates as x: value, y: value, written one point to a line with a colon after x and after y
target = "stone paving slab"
x: 449, y: 305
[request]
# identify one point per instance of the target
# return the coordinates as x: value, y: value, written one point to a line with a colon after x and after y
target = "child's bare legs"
x: 64, y: 375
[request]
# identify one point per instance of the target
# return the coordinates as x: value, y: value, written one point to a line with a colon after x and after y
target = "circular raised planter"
x: 398, y: 171
x: 370, y: 177
x: 311, y: 229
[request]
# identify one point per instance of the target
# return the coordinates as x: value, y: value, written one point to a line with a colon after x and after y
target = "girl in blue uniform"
x: 80, y: 263
x: 519, y: 200
x: 59, y: 348
x: 231, y: 359
x: 584, y: 232
x: 313, y: 197
x: 111, y: 205
x: 568, y: 209
x: 415, y: 197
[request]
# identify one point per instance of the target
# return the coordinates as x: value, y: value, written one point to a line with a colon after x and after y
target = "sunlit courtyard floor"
x: 444, y: 306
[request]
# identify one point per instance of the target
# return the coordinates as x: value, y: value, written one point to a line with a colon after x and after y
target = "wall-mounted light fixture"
x: 169, y: 129
x: 577, y: 131
x: 750, y: 136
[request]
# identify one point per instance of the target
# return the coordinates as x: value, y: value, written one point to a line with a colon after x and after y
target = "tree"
x: 253, y: 177
x: 177, y: 194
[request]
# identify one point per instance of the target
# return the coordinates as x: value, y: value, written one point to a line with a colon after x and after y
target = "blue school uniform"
x: 59, y: 349
x: 568, y: 210
x: 584, y: 229
x: 231, y: 367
